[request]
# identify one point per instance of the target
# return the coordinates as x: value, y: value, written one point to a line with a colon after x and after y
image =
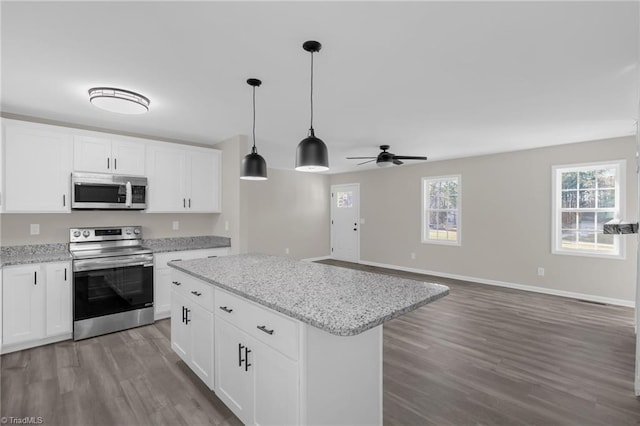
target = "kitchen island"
x: 288, y: 342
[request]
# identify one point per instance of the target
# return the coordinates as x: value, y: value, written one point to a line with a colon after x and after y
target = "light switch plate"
x: 176, y: 225
x: 35, y: 229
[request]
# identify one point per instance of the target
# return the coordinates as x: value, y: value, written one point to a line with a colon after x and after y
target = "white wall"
x: 506, y: 220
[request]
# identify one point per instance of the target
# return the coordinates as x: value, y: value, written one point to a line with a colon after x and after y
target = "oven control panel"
x: 112, y: 233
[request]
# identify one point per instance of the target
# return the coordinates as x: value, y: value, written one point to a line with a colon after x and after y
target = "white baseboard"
x: 33, y: 343
x: 534, y: 289
x: 313, y: 259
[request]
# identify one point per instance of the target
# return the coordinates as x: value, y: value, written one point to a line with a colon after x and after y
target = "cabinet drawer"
x: 270, y: 327
x: 274, y: 329
x: 232, y: 308
x: 193, y: 289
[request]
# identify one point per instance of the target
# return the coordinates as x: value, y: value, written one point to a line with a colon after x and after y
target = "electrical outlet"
x: 226, y: 225
x: 286, y: 251
x: 176, y: 225
x: 413, y: 256
x: 35, y: 229
x: 540, y: 271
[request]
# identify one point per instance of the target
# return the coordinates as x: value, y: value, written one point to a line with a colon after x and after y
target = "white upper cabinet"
x: 37, y: 168
x: 109, y: 155
x: 183, y: 179
x: 203, y: 181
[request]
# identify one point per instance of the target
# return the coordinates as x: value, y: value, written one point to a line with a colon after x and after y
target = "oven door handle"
x: 97, y: 264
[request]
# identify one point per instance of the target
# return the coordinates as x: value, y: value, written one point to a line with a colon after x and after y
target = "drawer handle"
x: 176, y: 283
x: 227, y: 310
x: 264, y: 328
x: 197, y: 293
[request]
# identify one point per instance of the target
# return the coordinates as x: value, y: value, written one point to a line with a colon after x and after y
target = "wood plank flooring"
x: 482, y: 355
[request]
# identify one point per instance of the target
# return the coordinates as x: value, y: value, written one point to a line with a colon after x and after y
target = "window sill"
x: 589, y: 254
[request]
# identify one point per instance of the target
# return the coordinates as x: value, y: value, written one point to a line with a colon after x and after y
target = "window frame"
x: 424, y: 209
x: 556, y: 210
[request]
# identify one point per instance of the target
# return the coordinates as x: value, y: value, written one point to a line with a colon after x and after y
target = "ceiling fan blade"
x: 408, y: 157
x: 397, y: 162
x: 359, y: 158
x: 360, y: 164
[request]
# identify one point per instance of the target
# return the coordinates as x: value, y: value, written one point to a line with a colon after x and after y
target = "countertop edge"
x: 337, y: 332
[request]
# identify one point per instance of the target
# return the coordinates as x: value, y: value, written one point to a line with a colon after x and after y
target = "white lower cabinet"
x: 234, y: 370
x: 254, y: 378
x: 36, y: 305
x: 162, y: 275
x: 271, y: 369
x: 192, y: 328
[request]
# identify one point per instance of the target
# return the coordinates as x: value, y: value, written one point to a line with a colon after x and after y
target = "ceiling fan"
x: 386, y: 158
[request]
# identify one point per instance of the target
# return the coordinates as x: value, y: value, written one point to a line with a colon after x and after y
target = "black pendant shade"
x: 312, y: 155
x: 253, y: 165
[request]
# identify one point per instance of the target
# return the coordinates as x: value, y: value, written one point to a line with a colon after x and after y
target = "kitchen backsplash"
x: 54, y: 228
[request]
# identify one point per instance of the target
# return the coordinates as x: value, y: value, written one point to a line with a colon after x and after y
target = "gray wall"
x: 289, y: 210
x: 54, y: 228
x: 506, y: 220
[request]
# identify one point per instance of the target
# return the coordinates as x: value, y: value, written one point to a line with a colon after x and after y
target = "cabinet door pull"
x: 264, y: 328
x: 175, y: 260
x: 240, y: 348
x: 107, y: 162
x: 246, y: 359
x: 187, y: 320
x: 35, y: 277
x: 176, y: 283
x: 115, y: 164
x: 64, y: 200
x: 197, y: 293
x: 211, y: 257
x: 65, y: 274
x: 227, y: 310
x: 184, y: 203
x: 189, y: 202
x: 184, y: 315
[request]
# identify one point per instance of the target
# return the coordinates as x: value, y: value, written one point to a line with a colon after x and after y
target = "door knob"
x: 355, y: 229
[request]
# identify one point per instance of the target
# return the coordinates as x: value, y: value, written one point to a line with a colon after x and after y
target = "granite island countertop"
x: 337, y: 300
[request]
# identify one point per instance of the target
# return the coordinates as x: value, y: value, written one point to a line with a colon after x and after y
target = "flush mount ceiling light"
x: 253, y: 165
x: 311, y: 155
x: 118, y: 100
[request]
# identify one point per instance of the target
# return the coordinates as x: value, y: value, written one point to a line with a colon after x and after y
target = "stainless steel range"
x: 112, y: 280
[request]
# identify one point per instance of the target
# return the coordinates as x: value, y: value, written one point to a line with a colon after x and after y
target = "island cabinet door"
x: 179, y: 328
x: 200, y: 323
x: 234, y: 370
x: 276, y: 388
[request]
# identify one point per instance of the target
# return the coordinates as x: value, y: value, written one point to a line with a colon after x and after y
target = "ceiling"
x: 439, y: 79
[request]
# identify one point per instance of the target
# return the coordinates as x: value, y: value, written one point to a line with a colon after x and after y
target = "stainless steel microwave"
x: 99, y: 191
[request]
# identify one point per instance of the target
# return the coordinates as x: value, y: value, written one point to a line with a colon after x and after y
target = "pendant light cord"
x: 311, y: 126
x: 254, y: 120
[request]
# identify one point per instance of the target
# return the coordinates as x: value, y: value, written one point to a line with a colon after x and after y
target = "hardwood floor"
x: 482, y: 355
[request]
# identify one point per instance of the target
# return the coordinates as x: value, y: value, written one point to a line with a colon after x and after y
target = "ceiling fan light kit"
x: 387, y: 159
x: 254, y: 167
x: 119, y: 100
x: 311, y: 154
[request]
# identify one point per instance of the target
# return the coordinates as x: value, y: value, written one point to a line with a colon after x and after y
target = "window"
x: 585, y: 197
x: 345, y: 199
x: 441, y: 210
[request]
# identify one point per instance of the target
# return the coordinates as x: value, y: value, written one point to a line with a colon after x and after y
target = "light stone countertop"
x: 338, y: 300
x: 59, y: 252
x: 163, y: 245
x: 35, y: 253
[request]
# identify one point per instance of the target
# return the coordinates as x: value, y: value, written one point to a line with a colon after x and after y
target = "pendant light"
x: 311, y: 155
x: 253, y: 165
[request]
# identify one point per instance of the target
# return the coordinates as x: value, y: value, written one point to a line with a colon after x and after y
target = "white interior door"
x: 345, y: 222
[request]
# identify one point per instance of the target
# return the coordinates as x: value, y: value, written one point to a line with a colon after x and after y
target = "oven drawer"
x: 193, y: 289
